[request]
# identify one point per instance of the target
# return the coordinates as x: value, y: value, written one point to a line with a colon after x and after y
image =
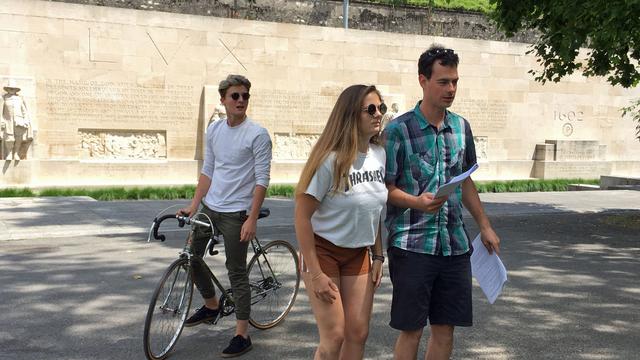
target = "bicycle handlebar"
x: 182, y: 220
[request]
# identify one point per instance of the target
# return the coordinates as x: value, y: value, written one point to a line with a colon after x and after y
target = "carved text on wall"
x: 82, y: 102
x: 485, y: 116
x: 569, y: 120
x: 287, y: 111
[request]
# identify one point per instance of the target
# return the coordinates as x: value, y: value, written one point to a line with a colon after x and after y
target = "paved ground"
x: 77, y: 274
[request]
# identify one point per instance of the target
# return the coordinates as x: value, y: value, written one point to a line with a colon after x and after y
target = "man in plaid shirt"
x: 429, y: 249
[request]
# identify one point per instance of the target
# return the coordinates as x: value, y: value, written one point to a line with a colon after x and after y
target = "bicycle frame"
x: 170, y: 301
x: 268, y: 282
x: 257, y: 250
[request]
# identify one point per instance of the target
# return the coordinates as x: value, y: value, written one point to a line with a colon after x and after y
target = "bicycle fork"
x: 165, y: 303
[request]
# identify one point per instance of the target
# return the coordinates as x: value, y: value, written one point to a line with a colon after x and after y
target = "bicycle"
x: 274, y: 279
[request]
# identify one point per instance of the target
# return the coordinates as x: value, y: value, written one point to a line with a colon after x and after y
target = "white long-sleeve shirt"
x: 236, y: 160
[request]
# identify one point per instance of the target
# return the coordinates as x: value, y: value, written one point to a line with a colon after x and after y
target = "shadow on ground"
x: 573, y: 293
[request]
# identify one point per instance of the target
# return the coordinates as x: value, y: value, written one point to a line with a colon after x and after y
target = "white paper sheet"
x: 488, y: 270
x: 451, y: 185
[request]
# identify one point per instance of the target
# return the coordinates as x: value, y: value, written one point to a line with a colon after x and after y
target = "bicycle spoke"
x: 274, y: 280
x: 165, y: 321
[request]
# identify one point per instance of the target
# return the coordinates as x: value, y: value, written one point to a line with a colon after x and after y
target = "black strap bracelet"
x: 378, y: 257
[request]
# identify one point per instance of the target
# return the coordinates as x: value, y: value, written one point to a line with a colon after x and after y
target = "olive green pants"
x: 229, y: 225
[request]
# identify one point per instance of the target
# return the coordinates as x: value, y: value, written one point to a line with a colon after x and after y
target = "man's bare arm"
x: 471, y: 201
x: 250, y: 225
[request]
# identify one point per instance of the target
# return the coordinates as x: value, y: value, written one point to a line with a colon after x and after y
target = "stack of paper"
x: 488, y: 270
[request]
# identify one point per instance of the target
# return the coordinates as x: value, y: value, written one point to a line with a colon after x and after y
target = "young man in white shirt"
x: 231, y: 188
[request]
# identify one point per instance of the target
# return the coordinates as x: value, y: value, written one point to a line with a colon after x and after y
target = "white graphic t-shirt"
x: 350, y: 219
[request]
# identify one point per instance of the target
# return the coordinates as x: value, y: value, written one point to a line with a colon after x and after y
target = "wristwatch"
x: 377, y: 257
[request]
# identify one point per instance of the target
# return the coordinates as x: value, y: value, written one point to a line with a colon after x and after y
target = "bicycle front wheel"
x: 274, y: 279
x: 168, y: 310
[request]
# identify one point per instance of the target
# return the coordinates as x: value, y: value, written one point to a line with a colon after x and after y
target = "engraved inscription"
x: 567, y: 154
x: 485, y: 116
x: 120, y: 104
x: 568, y: 150
x: 565, y: 116
x: 569, y: 120
x: 286, y: 111
x: 105, y: 144
x: 293, y: 147
x: 586, y: 170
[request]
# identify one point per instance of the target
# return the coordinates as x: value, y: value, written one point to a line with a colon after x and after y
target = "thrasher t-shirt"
x: 350, y: 219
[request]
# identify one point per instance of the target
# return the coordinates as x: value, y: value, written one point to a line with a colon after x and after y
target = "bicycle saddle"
x: 264, y: 212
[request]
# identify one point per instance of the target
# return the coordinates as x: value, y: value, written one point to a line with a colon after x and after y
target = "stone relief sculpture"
x: 99, y: 145
x: 482, y: 144
x: 295, y: 147
x: 16, y: 132
x: 219, y: 112
x: 386, y: 118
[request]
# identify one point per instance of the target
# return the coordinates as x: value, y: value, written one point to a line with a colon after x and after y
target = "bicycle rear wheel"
x: 274, y: 279
x: 168, y: 310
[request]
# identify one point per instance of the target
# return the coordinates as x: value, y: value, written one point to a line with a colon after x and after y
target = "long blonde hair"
x: 339, y: 135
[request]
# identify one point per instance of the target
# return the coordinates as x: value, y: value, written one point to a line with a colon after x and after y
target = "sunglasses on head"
x: 236, y: 96
x: 371, y: 109
x: 436, y: 52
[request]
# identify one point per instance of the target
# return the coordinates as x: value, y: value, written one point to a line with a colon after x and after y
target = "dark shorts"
x: 429, y: 287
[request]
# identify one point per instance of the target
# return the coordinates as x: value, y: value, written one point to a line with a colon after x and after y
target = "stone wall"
x: 121, y: 96
x: 362, y: 15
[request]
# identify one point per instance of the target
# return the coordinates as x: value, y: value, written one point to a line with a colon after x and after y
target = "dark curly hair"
x: 445, y: 57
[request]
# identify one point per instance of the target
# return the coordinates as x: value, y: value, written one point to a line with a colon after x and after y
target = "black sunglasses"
x: 371, y: 109
x: 436, y: 52
x: 236, y: 96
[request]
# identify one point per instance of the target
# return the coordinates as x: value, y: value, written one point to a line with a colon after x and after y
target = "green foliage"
x: 16, y: 193
x: 280, y: 190
x: 534, y: 185
x: 135, y: 193
x: 633, y: 110
x: 275, y: 190
x: 121, y: 193
x: 610, y: 29
x: 467, y: 5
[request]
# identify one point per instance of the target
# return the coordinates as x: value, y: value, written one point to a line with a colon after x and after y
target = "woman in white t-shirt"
x: 339, y: 201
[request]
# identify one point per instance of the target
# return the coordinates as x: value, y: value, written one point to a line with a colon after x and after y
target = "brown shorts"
x: 336, y: 261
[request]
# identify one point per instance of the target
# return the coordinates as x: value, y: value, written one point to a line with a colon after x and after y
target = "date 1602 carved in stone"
x: 15, y: 125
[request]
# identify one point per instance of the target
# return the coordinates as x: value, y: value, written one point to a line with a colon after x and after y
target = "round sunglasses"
x: 245, y: 96
x: 371, y: 109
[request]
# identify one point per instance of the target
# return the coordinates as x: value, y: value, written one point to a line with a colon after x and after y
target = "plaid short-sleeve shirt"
x: 421, y: 158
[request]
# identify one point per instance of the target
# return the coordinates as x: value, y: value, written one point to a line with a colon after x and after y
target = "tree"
x: 634, y: 111
x: 610, y: 29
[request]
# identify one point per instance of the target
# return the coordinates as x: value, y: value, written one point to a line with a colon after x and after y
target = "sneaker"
x: 238, y: 346
x: 202, y: 315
